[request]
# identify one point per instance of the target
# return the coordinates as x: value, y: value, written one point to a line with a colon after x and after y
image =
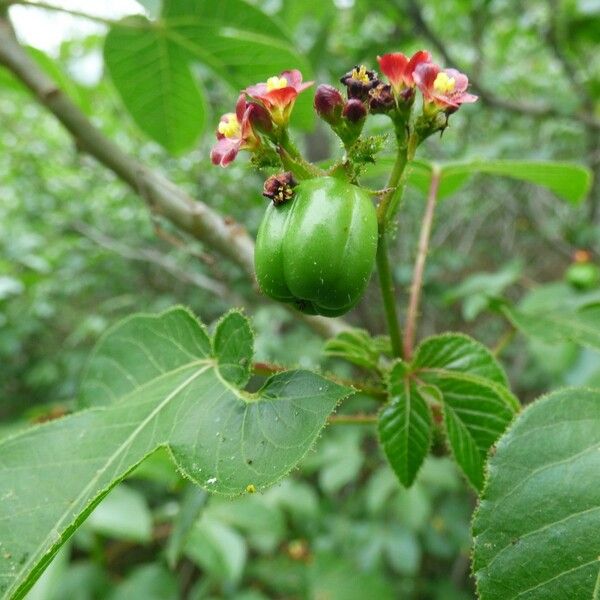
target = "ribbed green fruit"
x: 317, y: 250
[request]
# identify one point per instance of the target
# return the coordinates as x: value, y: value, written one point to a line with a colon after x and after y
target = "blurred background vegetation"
x: 78, y: 250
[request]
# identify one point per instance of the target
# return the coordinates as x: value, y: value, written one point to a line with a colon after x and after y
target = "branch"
x: 163, y: 197
x: 522, y: 108
x: 417, y: 280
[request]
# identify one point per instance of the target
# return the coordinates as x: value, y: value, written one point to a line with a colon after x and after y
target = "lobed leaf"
x: 153, y: 381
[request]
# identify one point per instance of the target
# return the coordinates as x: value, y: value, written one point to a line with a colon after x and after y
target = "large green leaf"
x: 153, y: 381
x: 477, y: 404
x: 567, y: 180
x: 537, y: 527
x: 150, y: 63
x: 155, y: 82
x: 405, y: 426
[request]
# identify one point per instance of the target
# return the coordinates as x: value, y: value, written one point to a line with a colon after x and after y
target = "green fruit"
x: 583, y: 275
x: 317, y: 250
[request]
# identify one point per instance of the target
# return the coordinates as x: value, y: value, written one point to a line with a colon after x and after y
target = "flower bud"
x: 329, y: 103
x: 259, y: 118
x: 354, y: 110
x: 280, y: 188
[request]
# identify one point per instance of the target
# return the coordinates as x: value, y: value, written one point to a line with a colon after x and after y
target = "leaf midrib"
x: 100, y: 472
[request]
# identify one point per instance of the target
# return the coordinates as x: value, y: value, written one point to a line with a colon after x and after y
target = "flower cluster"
x: 259, y: 123
x: 267, y: 113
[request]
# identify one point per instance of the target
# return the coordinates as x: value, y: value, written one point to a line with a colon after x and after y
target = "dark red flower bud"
x: 259, y: 118
x: 381, y: 99
x: 329, y: 103
x: 354, y: 110
x: 280, y: 188
x: 359, y: 81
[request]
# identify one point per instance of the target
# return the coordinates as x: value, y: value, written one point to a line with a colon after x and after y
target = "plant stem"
x: 293, y: 160
x: 417, y: 279
x: 387, y: 292
x: 386, y: 282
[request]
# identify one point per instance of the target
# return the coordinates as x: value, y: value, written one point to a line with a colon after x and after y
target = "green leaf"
x: 581, y: 327
x: 154, y: 80
x: 239, y: 43
x: 569, y: 181
x: 405, y: 427
x: 477, y: 404
x: 150, y: 63
x: 233, y: 344
x: 218, y: 549
x: 153, y: 382
x: 358, y: 347
x: 536, y: 529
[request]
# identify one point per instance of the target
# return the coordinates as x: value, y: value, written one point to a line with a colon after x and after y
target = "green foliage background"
x: 78, y: 251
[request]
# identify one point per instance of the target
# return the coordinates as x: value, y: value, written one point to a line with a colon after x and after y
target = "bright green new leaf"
x: 536, y: 529
x: 358, y: 347
x: 153, y: 381
x: 477, y: 404
x: 405, y: 426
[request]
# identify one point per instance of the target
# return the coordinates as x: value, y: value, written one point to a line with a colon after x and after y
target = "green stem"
x: 388, y: 294
x: 383, y: 263
x: 293, y: 160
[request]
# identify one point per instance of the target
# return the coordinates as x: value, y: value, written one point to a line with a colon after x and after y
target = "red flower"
x: 399, y: 69
x: 278, y: 94
x: 447, y: 88
x: 235, y: 132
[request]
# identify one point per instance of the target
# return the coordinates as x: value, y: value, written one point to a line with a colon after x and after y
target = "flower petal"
x: 418, y: 58
x: 225, y: 151
x: 393, y: 65
x: 240, y: 107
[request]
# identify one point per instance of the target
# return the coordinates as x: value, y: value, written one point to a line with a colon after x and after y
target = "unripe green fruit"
x: 583, y: 275
x: 317, y: 250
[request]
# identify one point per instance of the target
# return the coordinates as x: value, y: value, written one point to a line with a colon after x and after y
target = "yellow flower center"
x: 360, y: 74
x: 229, y: 126
x: 276, y: 83
x: 443, y: 83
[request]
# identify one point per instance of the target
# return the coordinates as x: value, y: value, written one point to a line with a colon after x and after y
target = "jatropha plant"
x: 319, y: 239
x: 166, y: 381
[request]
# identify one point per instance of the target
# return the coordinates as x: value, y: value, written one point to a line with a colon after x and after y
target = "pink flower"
x: 235, y: 131
x: 278, y: 94
x: 447, y: 88
x: 399, y: 69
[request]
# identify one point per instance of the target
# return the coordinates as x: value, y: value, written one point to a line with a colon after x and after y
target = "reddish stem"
x: 417, y: 279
